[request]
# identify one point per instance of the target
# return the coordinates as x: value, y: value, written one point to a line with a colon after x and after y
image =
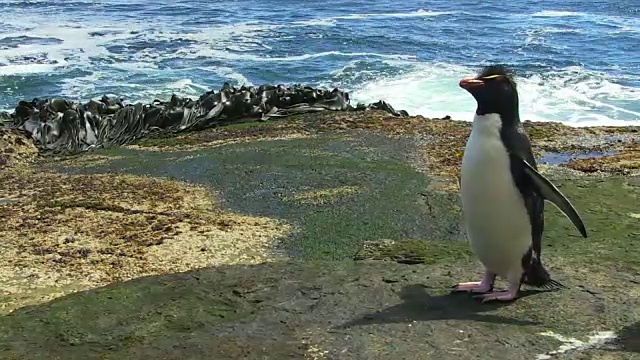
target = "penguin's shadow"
x: 418, y: 305
x: 629, y: 338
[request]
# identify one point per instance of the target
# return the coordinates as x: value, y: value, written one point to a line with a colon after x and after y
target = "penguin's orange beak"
x: 469, y: 83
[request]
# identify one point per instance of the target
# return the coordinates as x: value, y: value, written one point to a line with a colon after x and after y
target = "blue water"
x: 578, y: 61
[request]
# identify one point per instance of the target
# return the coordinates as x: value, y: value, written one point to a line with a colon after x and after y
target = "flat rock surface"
x: 337, y: 310
x: 239, y: 243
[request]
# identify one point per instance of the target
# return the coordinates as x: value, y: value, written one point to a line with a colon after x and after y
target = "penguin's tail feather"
x: 537, y: 276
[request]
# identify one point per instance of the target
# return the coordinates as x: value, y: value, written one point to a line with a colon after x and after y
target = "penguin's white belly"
x: 497, y: 222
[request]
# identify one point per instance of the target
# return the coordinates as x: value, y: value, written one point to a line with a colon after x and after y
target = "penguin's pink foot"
x: 474, y: 286
x: 483, y: 286
x: 508, y: 295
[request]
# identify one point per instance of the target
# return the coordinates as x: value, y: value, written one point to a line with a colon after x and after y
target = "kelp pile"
x: 59, y: 126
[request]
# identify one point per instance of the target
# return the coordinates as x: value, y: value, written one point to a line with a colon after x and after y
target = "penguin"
x: 503, y: 193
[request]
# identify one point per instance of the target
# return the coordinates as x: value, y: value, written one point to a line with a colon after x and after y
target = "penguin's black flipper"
x: 551, y: 193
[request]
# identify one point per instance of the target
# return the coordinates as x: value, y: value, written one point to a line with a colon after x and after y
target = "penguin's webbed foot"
x: 508, y: 295
x: 474, y: 286
x: 483, y: 286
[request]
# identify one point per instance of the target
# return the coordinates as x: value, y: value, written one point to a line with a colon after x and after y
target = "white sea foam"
x: 555, y: 13
x: 229, y: 73
x: 76, y: 45
x: 330, y: 21
x: 619, y: 23
x: 187, y: 87
x: 76, y: 87
x: 220, y: 54
x: 21, y: 69
x: 417, y: 13
x: 79, y: 44
x: 572, y: 96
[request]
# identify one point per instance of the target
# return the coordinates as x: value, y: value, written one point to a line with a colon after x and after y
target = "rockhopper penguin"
x: 502, y: 192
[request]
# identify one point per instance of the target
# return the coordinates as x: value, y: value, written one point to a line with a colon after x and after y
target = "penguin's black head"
x: 495, y: 91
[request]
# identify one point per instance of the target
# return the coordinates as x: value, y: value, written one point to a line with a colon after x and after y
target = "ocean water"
x: 578, y: 62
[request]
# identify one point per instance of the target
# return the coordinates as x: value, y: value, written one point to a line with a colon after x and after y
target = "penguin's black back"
x: 516, y: 141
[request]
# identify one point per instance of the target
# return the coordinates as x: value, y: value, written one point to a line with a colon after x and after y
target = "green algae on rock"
x: 285, y: 310
x: 414, y: 251
x: 291, y: 179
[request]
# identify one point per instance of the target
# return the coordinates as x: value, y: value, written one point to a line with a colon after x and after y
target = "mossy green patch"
x: 290, y: 309
x: 293, y: 179
x: 415, y: 251
x: 604, y: 204
x: 167, y: 140
x: 225, y: 131
x: 124, y: 316
x: 278, y: 178
x: 249, y: 124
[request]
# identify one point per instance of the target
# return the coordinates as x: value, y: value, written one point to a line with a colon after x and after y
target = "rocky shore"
x: 320, y: 235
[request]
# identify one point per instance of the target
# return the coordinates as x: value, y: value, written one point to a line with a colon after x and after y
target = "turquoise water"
x: 577, y: 61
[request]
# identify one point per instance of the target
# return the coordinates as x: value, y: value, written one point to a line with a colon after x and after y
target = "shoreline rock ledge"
x: 59, y: 126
